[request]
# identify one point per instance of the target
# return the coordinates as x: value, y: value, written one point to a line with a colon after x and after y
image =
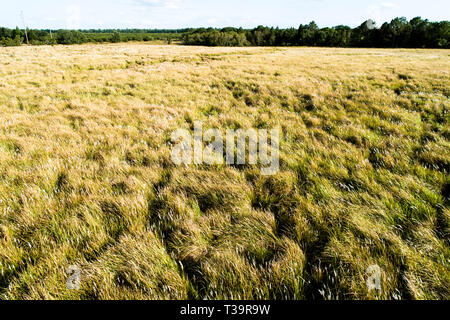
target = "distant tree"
x: 419, y: 31
x: 304, y: 36
x: 364, y: 35
x: 115, y: 37
x: 17, y: 33
x: 70, y: 37
x: 5, y: 33
x: 313, y: 26
x: 439, y: 35
x: 12, y: 42
x: 343, y: 36
x: 396, y: 33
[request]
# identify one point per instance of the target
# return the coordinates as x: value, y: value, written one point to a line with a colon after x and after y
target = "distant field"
x: 86, y: 176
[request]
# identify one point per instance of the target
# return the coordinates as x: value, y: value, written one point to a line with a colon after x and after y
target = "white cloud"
x: 158, y: 3
x: 381, y: 12
x: 388, y: 5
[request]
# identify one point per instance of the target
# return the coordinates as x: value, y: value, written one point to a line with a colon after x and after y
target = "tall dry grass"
x: 86, y: 176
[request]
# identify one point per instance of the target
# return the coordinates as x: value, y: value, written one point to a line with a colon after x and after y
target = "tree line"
x: 399, y: 33
x: 16, y: 37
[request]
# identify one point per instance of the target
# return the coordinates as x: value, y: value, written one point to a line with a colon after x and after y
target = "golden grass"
x: 86, y: 176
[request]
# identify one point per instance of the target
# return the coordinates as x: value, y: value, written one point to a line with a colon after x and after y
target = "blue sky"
x: 84, y: 14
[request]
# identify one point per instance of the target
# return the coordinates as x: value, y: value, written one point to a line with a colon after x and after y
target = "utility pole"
x: 25, y: 26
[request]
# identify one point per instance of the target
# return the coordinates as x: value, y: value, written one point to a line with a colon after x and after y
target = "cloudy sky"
x: 85, y: 14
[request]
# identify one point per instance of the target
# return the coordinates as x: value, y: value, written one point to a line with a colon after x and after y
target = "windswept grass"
x: 86, y: 177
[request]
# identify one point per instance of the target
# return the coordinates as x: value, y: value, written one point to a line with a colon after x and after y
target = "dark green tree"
x: 115, y: 37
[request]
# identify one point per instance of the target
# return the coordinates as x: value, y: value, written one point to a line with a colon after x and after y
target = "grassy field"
x: 86, y: 176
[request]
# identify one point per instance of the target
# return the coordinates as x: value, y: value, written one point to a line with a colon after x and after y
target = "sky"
x: 172, y: 14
